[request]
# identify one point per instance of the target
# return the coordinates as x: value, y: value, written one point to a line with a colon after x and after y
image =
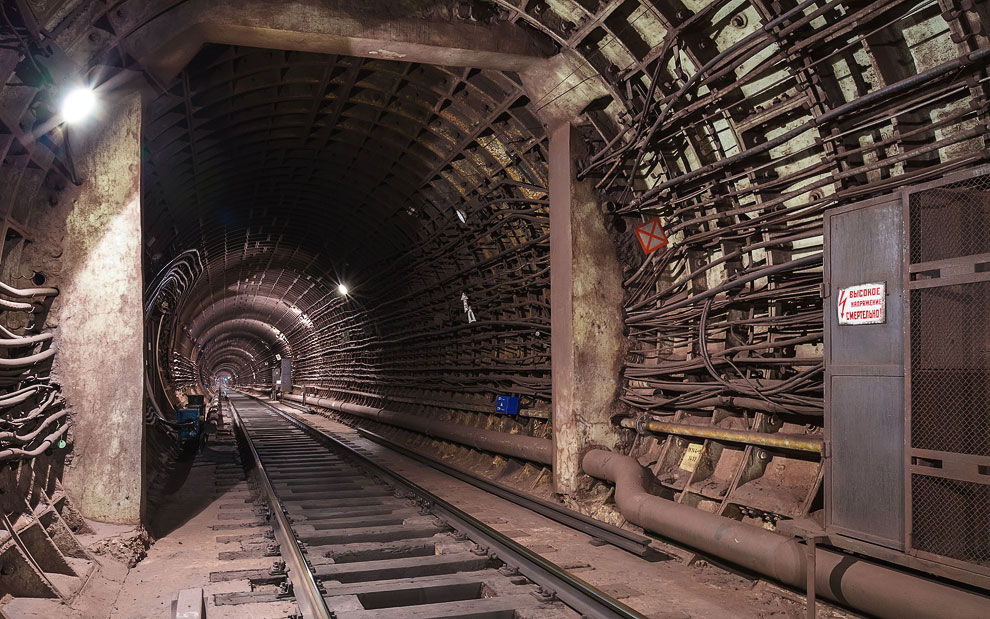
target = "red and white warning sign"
x: 864, y: 304
x: 651, y: 236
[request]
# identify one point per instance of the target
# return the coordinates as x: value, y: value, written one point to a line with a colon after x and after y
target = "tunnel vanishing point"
x: 706, y: 279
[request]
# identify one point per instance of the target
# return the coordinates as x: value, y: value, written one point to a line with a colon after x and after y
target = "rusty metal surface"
x: 864, y: 388
x: 767, y: 439
x: 872, y: 588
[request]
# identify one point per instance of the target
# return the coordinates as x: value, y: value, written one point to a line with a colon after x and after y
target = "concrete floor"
x: 203, y: 519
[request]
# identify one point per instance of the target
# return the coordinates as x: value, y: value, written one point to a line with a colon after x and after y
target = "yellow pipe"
x: 764, y: 439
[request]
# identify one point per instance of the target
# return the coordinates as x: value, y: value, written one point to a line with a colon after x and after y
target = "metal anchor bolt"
x: 284, y: 589
x: 545, y: 595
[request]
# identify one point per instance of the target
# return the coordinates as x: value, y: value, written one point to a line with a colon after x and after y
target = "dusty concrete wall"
x: 99, y: 317
x: 586, y: 313
x: 561, y: 87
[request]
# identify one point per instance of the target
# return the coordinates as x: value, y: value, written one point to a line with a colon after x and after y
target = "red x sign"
x: 651, y: 236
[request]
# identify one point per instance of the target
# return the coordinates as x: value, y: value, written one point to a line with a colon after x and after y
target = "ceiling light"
x: 342, y: 289
x: 78, y: 104
x: 461, y: 216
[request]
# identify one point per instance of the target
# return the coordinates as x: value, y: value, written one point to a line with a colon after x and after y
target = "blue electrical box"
x: 507, y: 404
x: 185, y: 416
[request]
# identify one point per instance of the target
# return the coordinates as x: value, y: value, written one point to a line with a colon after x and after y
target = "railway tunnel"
x: 653, y: 307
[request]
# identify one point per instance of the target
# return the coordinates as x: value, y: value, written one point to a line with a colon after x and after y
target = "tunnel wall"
x: 737, y: 125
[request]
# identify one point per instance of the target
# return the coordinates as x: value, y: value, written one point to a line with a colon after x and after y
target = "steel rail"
x: 626, y: 540
x: 304, y: 586
x: 571, y: 590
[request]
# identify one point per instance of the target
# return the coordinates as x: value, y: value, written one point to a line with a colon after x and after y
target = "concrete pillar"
x: 586, y: 313
x: 99, y: 311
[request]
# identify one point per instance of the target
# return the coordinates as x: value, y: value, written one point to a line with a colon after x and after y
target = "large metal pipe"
x: 748, y: 437
x: 868, y: 587
x: 514, y: 445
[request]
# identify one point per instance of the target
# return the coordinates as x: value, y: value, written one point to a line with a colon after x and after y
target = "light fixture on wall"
x: 78, y: 104
x: 461, y: 215
x: 342, y: 289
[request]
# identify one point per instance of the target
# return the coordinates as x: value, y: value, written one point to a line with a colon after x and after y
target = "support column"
x: 99, y: 312
x: 586, y: 314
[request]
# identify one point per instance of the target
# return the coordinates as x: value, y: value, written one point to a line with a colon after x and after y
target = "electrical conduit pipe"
x: 766, y: 439
x: 865, y: 586
x: 514, y: 445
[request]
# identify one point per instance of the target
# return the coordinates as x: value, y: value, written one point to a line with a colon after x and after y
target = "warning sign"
x: 864, y: 304
x: 691, y: 456
x: 651, y: 236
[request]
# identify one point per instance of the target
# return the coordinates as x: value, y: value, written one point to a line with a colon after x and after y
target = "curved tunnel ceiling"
x: 331, y: 152
x: 292, y: 172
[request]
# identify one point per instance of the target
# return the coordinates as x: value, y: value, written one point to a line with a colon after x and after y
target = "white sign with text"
x: 863, y: 304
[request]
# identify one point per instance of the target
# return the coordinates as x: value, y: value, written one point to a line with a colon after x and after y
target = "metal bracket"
x: 284, y: 589
x: 545, y: 595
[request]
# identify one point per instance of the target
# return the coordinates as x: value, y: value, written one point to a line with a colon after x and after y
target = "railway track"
x: 357, y: 541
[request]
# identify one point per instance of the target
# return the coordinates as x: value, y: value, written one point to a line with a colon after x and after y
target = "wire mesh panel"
x: 950, y: 373
x: 937, y: 500
x: 948, y: 398
x: 951, y: 221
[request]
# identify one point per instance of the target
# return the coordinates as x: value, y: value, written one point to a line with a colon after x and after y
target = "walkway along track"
x: 359, y: 541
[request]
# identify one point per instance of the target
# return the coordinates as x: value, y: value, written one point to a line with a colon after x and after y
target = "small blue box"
x: 507, y: 404
x: 190, y: 416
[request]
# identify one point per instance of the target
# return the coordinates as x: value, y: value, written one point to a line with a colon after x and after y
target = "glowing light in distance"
x: 342, y: 289
x: 78, y: 104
